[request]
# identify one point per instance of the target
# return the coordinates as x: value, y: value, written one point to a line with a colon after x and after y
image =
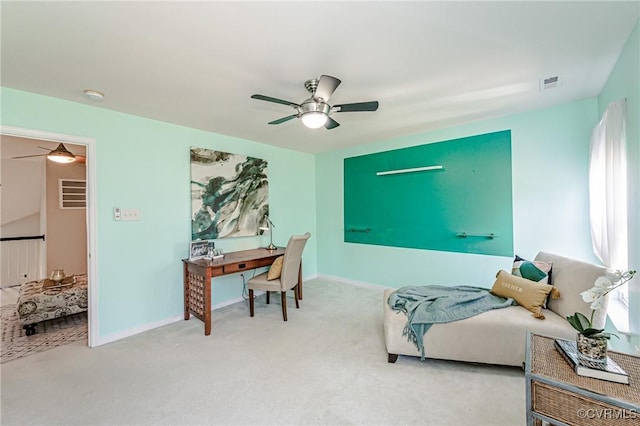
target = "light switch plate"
x: 126, y: 214
x: 130, y: 214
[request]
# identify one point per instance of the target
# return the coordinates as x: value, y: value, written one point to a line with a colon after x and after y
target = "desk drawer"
x: 202, y: 270
x: 249, y: 264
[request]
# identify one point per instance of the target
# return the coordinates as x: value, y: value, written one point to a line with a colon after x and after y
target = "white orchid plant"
x: 595, y: 296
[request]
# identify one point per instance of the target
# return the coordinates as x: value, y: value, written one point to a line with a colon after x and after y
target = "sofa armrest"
x: 571, y: 277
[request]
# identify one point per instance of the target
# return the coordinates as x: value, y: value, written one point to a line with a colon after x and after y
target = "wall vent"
x: 550, y: 83
x: 72, y: 193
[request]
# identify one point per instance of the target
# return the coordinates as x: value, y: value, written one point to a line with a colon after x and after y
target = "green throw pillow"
x: 531, y: 272
x: 537, y: 271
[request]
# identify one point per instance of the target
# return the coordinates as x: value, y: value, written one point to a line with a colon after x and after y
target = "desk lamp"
x: 268, y: 228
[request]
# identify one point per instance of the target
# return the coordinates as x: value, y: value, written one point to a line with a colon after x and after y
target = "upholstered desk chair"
x: 288, y: 279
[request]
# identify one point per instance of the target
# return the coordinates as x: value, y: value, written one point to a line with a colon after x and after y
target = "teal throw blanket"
x: 428, y: 305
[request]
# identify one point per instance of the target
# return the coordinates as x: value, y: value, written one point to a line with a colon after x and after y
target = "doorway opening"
x: 67, y: 228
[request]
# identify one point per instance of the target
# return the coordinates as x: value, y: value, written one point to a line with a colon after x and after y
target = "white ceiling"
x: 429, y: 64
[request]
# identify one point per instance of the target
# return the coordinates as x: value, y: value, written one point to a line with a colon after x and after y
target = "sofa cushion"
x: 572, y: 277
x: 494, y: 337
x: 529, y: 294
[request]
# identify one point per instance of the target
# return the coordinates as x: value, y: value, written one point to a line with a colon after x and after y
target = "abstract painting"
x: 229, y: 194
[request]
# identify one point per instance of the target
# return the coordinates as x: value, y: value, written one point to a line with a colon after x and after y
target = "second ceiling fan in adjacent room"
x: 60, y: 155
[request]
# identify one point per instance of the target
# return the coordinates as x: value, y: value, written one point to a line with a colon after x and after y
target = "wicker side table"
x: 556, y: 394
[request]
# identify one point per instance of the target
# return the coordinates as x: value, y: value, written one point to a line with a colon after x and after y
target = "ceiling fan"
x: 60, y: 155
x: 315, y: 111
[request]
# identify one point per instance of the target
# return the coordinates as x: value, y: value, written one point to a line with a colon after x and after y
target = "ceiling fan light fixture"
x: 61, y: 155
x: 314, y: 119
x: 314, y: 114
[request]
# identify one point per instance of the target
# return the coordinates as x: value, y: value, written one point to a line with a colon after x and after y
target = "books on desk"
x: 608, y: 370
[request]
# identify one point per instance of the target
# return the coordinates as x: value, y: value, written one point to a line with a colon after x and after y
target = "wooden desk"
x: 557, y: 395
x: 198, y: 275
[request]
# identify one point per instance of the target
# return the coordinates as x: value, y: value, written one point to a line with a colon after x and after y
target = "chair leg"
x: 284, y: 304
x: 268, y: 293
x: 250, y: 302
x: 295, y: 295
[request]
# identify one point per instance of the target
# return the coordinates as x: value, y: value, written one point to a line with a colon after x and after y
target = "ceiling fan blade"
x: 28, y: 156
x: 276, y: 100
x: 283, y: 119
x: 358, y: 106
x: 326, y: 86
x: 331, y: 124
x: 81, y: 159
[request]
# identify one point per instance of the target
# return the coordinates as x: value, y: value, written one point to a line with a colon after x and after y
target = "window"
x: 623, y: 295
x: 618, y: 310
x: 72, y: 193
x: 608, y: 202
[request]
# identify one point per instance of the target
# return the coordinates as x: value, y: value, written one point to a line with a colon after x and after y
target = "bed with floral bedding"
x: 45, y: 300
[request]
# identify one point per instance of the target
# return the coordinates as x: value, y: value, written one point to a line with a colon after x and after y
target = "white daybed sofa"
x: 498, y: 336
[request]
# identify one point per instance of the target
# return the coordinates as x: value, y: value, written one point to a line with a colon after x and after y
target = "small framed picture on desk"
x: 198, y: 249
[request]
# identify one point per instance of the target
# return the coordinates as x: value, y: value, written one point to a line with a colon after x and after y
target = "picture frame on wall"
x: 229, y: 194
x: 198, y: 249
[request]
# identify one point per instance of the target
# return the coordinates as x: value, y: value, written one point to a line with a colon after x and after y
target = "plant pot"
x: 592, y: 349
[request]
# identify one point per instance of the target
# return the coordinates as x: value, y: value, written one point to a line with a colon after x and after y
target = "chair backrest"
x: 291, y: 261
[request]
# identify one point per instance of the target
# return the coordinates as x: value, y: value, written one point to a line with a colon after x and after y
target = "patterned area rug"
x: 50, y: 334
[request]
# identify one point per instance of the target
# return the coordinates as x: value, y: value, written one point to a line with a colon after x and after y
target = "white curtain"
x: 608, y: 187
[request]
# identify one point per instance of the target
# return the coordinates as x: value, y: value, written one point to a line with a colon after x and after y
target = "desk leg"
x: 300, y: 281
x: 197, y: 289
x: 207, y: 301
x: 185, y: 278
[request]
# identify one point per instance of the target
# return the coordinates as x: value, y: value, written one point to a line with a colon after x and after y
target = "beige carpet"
x: 327, y: 365
x: 50, y: 334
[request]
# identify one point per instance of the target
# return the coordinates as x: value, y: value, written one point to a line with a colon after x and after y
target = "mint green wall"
x: 624, y: 82
x: 139, y: 268
x: 550, y: 153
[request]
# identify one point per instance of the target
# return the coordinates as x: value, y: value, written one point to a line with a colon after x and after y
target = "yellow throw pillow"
x: 528, y: 294
x: 276, y: 269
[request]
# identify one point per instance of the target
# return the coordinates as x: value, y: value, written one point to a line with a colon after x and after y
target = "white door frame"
x: 91, y: 217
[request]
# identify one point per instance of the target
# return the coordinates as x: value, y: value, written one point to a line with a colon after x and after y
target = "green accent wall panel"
x: 464, y: 206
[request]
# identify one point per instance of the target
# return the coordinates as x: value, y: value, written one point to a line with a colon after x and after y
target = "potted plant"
x: 592, y: 342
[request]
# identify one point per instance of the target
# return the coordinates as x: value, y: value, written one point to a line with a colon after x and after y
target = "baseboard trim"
x: 352, y: 282
x: 109, y: 338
